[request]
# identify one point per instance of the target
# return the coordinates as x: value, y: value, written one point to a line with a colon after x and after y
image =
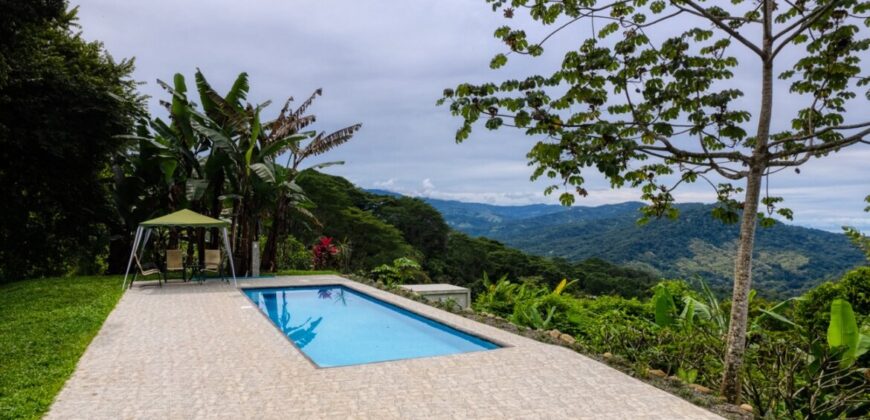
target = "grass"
x: 45, y: 326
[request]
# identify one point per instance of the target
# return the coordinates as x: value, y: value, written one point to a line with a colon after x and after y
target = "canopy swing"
x: 181, y: 218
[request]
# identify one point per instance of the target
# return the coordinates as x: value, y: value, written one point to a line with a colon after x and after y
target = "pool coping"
x: 224, y: 364
x: 350, y: 285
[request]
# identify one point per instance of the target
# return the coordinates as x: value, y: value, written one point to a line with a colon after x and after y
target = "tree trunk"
x: 243, y: 249
x: 119, y: 252
x: 736, y: 341
x: 270, y: 251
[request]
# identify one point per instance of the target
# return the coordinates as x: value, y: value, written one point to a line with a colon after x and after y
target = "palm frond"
x: 322, y: 144
x: 301, y: 110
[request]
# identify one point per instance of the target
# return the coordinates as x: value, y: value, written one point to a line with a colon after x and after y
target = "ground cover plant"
x: 45, y: 326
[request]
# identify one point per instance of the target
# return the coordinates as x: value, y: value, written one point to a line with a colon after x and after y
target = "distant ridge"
x: 788, y: 258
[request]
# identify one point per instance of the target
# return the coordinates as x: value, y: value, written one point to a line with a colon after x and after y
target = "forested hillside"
x: 378, y: 228
x: 788, y: 259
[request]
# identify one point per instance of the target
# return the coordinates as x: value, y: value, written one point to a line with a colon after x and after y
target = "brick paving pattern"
x: 204, y: 351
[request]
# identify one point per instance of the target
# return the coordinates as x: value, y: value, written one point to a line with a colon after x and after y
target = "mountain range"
x: 788, y: 258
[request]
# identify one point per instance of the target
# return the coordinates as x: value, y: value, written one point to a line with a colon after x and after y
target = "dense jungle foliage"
x: 62, y: 101
x: 798, y: 363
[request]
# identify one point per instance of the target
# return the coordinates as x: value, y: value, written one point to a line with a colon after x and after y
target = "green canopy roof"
x: 185, y: 218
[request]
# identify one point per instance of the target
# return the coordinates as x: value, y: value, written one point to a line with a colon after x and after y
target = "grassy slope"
x: 45, y: 326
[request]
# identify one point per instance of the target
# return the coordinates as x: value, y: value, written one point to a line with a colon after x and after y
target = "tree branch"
x: 821, y: 148
x: 823, y: 131
x: 804, y: 23
x: 718, y: 22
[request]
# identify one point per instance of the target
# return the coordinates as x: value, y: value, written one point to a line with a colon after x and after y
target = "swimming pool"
x: 335, y: 326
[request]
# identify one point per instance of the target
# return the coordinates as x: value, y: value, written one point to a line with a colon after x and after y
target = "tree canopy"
x: 652, y: 99
x: 62, y: 101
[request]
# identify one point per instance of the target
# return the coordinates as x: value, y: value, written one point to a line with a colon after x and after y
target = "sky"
x: 384, y: 64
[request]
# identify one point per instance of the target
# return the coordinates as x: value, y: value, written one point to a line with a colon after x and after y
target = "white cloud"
x: 387, y: 69
x: 387, y: 185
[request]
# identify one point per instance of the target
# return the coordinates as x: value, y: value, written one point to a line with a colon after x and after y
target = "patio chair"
x: 213, y: 262
x: 152, y: 269
x: 175, y: 262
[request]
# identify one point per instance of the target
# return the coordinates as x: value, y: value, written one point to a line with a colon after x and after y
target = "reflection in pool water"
x: 337, y: 326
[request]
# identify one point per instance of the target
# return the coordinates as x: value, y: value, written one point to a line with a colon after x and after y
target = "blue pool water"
x: 337, y: 326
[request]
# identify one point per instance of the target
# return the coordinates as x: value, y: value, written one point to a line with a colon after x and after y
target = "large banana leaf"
x: 252, y: 142
x: 264, y: 172
x: 276, y: 147
x: 688, y: 315
x: 195, y: 189
x: 664, y: 307
x: 322, y: 144
x: 843, y: 330
x: 326, y: 164
x: 179, y: 111
x: 218, y: 137
x: 239, y: 92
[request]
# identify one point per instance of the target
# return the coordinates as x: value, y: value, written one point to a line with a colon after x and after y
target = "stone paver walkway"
x: 190, y: 351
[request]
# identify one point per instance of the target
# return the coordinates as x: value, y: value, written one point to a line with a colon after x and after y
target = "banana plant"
x: 219, y: 156
x: 290, y: 122
x: 664, y: 307
x: 497, y: 297
x: 708, y: 309
x: 528, y: 313
x: 843, y: 337
x: 843, y: 333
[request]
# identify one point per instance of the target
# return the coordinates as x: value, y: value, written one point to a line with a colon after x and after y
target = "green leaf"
x: 239, y: 92
x: 779, y: 317
x: 664, y: 306
x: 327, y: 164
x: 688, y: 314
x: 264, y: 172
x: 195, y: 189
x: 278, y: 146
x: 168, y: 166
x: 843, y: 330
x: 498, y: 61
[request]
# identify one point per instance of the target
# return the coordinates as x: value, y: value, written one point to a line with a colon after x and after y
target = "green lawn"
x: 45, y: 326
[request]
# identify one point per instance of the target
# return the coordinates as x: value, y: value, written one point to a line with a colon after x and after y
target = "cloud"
x: 387, y: 185
x: 386, y: 65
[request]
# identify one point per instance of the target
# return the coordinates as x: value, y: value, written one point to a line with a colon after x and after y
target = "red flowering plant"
x: 324, y: 253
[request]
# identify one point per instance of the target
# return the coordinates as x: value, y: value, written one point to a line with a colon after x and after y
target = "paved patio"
x: 190, y: 351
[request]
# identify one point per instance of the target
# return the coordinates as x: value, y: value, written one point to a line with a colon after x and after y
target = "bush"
x: 813, y: 310
x: 403, y: 270
x: 293, y: 255
x: 780, y: 380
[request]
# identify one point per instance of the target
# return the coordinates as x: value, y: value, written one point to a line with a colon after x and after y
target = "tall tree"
x: 62, y: 101
x: 651, y: 99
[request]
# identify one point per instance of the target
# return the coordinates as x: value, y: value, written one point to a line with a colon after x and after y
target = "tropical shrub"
x: 806, y: 367
x: 805, y: 375
x: 324, y: 254
x: 854, y: 287
x: 293, y: 255
x: 402, y: 270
